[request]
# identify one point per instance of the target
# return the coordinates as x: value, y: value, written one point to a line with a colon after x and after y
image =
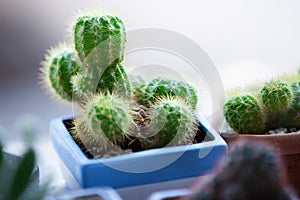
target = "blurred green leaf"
x: 22, y: 176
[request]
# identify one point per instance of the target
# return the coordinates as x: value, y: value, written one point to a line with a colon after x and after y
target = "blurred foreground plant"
x: 253, y: 171
x: 19, y: 177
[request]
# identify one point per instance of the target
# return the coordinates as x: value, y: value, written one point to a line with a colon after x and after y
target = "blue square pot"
x: 144, y: 167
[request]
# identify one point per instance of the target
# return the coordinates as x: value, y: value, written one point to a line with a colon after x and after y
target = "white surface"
x: 169, y: 194
x: 144, y: 192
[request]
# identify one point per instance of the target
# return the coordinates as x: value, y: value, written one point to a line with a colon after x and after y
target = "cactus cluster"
x: 90, y: 72
x: 275, y: 105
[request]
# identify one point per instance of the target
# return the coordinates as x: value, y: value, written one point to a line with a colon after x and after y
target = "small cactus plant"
x: 161, y: 87
x: 99, y: 41
x: 292, y: 115
x: 93, y: 74
x: 94, y: 65
x: 244, y: 114
x: 275, y: 106
x: 60, y: 64
x: 106, y: 118
x: 173, y: 121
x: 277, y: 95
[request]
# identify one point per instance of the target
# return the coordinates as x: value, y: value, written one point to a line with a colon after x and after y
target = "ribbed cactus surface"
x: 99, y: 41
x: 108, y: 118
x: 277, y: 95
x: 161, y: 87
x: 60, y: 65
x: 244, y: 114
x: 173, y: 121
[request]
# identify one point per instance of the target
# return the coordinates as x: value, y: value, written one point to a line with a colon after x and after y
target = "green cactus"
x: 172, y: 122
x: 60, y: 64
x: 292, y: 115
x: 99, y: 41
x: 244, y: 114
x: 160, y: 87
x: 84, y: 87
x: 139, y: 90
x: 277, y: 95
x: 106, y: 118
x: 113, y: 80
x: 98, y: 79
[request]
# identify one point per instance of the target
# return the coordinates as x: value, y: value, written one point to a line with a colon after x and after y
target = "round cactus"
x: 161, y: 87
x: 292, y: 115
x: 99, y: 41
x: 244, y: 115
x: 172, y: 122
x: 61, y: 63
x: 113, y: 80
x: 106, y: 118
x: 277, y: 95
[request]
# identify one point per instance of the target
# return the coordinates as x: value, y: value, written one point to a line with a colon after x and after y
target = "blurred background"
x: 247, y: 41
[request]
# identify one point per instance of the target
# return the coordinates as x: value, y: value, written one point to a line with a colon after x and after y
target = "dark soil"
x: 283, y: 131
x: 131, y: 143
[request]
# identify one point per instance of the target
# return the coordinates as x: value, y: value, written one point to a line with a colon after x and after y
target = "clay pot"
x: 287, y: 147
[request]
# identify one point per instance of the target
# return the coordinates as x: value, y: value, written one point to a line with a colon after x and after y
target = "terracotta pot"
x: 287, y: 147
